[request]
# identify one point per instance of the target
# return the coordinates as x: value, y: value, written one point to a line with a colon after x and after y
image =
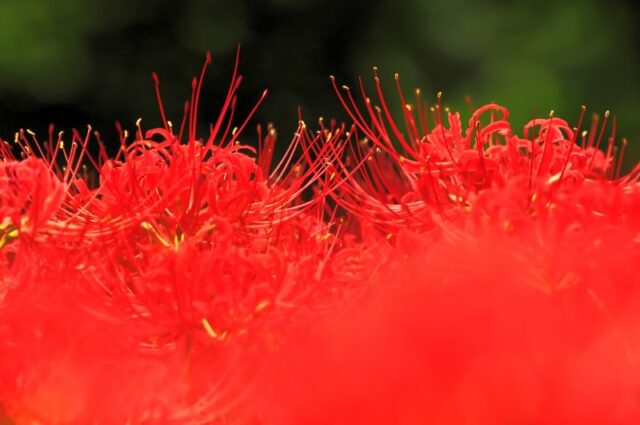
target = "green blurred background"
x: 73, y: 62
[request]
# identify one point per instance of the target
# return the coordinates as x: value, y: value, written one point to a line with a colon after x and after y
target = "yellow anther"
x: 9, y: 235
x: 177, y: 239
x: 209, y: 329
x: 5, y: 223
x: 149, y: 227
x: 262, y: 306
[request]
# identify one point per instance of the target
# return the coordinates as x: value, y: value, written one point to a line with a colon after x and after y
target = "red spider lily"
x: 172, y: 289
x: 184, y: 187
x: 208, y: 209
x: 29, y: 197
x: 513, y: 310
x: 183, y: 261
x: 505, y: 296
x: 443, y: 171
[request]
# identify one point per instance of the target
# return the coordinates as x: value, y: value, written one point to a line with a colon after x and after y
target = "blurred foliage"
x: 75, y: 62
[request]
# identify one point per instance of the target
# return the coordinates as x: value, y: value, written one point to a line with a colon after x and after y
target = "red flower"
x: 29, y: 198
x: 442, y: 173
x: 157, y: 295
x: 434, y: 274
x: 504, y: 296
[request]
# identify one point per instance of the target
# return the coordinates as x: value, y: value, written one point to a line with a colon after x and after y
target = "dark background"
x: 74, y: 62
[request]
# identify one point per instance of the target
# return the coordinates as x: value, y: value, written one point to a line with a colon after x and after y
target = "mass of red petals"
x: 429, y: 272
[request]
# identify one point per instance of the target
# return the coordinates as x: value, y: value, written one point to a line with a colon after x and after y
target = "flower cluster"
x: 379, y: 273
